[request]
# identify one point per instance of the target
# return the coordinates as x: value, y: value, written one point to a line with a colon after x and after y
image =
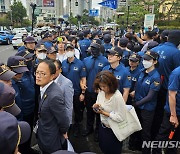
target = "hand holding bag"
x: 128, y: 126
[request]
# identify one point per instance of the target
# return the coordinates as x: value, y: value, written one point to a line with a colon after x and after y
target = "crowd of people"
x: 47, y: 85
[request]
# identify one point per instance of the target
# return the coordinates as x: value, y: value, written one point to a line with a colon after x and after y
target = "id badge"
x: 36, y: 127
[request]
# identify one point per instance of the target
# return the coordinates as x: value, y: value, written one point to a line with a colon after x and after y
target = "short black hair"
x: 51, y: 66
x: 58, y: 62
x: 149, y: 34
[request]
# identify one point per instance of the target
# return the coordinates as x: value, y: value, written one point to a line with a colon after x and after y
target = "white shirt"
x: 61, y: 57
x: 42, y: 90
x: 56, y: 80
x: 115, y: 106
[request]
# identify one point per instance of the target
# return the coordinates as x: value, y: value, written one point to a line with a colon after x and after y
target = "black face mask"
x: 95, y: 52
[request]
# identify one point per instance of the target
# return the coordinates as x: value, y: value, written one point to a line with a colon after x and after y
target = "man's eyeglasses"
x: 41, y: 74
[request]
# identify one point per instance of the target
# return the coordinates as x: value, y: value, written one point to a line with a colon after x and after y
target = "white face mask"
x: 147, y: 64
x: 70, y: 54
x: 41, y: 56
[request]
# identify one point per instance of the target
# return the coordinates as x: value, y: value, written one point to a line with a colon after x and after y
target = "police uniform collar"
x: 117, y: 68
x: 150, y: 73
x: 170, y: 44
x: 74, y: 61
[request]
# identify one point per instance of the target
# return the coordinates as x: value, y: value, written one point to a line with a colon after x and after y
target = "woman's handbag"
x: 127, y: 127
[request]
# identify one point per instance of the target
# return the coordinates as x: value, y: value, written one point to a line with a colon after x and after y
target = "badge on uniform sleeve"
x: 156, y: 83
x: 129, y: 77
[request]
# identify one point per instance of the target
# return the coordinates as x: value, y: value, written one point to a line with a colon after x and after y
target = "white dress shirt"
x: 42, y: 90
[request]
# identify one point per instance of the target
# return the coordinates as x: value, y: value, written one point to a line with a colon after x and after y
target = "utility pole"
x: 33, y: 9
x: 70, y: 12
x: 128, y: 16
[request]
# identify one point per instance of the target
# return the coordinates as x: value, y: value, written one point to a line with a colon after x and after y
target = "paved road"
x: 5, y: 52
x: 80, y: 144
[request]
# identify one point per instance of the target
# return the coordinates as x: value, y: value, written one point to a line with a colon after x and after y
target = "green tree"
x: 18, y: 12
x: 4, y: 21
x: 138, y: 8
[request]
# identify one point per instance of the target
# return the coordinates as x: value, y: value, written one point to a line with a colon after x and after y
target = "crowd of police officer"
x: 146, y: 65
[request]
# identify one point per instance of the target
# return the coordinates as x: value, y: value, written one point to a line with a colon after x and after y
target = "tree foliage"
x: 84, y: 19
x: 138, y: 8
x: 18, y: 12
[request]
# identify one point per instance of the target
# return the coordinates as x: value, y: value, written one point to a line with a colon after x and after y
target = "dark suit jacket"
x: 53, y: 120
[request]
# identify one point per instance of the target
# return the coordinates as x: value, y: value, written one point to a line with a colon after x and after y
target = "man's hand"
x: 65, y: 135
x: 81, y: 98
x: 174, y: 120
x: 132, y: 94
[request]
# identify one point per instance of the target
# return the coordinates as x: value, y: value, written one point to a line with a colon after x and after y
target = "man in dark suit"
x: 53, y: 122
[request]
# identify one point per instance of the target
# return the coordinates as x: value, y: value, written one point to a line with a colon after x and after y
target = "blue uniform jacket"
x: 25, y: 94
x: 93, y: 67
x: 174, y: 85
x: 168, y: 61
x: 84, y: 45
x: 146, y: 82
x: 74, y: 71
x: 134, y: 76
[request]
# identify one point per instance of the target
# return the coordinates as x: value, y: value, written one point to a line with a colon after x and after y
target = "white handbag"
x: 127, y: 127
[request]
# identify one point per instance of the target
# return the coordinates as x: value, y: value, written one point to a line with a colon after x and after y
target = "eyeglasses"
x: 41, y: 74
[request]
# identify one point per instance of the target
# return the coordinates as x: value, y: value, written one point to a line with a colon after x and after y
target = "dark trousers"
x: 164, y: 132
x: 25, y: 147
x: 135, y: 141
x: 146, y: 123
x: 158, y: 116
x: 108, y: 142
x: 78, y: 109
x: 90, y: 99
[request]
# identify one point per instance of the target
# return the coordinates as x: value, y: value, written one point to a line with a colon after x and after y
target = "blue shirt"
x: 174, y: 85
x: 125, y: 57
x: 48, y: 44
x: 25, y: 94
x: 74, y: 71
x: 84, y: 45
x: 106, y: 47
x: 146, y: 82
x: 168, y: 61
x: 122, y: 75
x: 134, y: 76
x: 94, y: 66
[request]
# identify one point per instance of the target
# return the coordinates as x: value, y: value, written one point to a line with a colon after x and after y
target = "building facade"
x: 4, y: 6
x: 76, y: 7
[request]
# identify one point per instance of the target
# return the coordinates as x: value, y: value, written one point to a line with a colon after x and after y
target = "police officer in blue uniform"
x: 126, y: 52
x: 107, y: 43
x: 84, y: 44
x: 74, y: 70
x: 146, y: 91
x: 29, y: 44
x: 23, y: 83
x: 94, y: 64
x: 119, y: 70
x: 48, y: 40
x: 171, y: 117
x: 168, y: 61
x: 134, y: 59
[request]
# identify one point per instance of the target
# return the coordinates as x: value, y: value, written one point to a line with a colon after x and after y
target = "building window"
x: 2, y: 8
x: 2, y: 2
